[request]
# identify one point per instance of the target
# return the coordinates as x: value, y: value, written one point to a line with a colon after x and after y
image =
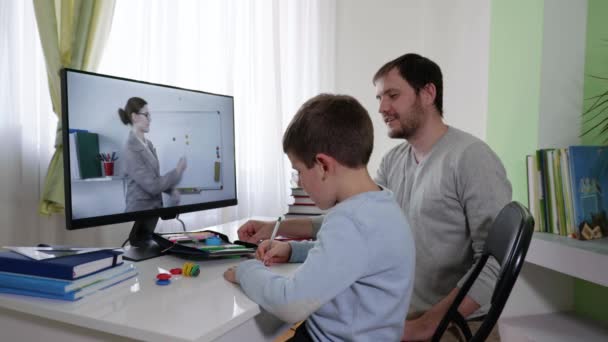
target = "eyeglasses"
x: 147, y: 115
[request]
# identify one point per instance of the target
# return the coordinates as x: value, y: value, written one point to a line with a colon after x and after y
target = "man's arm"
x: 423, y: 328
x: 483, y: 190
x: 305, y: 228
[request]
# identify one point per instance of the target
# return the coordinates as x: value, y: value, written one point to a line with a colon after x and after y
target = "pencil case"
x: 203, y: 251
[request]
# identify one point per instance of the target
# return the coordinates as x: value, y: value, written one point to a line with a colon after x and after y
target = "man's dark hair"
x: 336, y: 125
x: 418, y: 71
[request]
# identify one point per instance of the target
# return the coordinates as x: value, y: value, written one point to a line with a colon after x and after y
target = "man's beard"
x: 411, y: 126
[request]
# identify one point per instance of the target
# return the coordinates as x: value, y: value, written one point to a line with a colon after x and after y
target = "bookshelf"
x: 587, y: 260
x: 100, y: 179
x: 552, y: 327
x: 541, y: 305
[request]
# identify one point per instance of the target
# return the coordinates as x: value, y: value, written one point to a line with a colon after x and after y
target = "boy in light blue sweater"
x: 356, y: 278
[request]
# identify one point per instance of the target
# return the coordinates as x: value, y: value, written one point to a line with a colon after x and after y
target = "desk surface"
x: 189, y: 309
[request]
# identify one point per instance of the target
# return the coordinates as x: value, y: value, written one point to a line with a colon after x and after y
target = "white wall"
x: 457, y: 37
x: 455, y: 34
x: 562, y: 72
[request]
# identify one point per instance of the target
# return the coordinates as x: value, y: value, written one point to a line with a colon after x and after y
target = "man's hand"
x: 420, y: 329
x: 230, y: 275
x: 254, y: 231
x: 423, y: 328
x: 278, y: 252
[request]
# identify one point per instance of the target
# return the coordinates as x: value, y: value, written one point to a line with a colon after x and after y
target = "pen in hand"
x: 274, y: 233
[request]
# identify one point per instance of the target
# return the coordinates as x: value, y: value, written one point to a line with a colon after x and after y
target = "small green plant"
x: 595, y: 117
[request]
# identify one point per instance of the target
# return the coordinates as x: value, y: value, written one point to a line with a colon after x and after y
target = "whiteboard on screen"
x: 195, y: 135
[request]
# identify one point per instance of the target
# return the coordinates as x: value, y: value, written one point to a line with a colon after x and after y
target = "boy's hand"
x: 230, y: 275
x: 280, y: 252
x: 254, y: 231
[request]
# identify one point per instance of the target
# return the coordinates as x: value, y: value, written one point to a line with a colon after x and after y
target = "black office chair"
x: 508, y: 241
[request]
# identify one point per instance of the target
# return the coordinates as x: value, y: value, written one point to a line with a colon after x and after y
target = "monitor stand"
x: 142, y: 246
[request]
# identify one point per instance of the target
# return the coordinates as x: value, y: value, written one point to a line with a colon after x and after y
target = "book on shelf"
x: 74, y: 165
x: 534, y: 191
x: 87, y: 150
x: 543, y: 199
x: 62, y: 286
x: 77, y: 294
x: 67, y: 267
x: 568, y: 196
x: 565, y: 190
x: 589, y: 181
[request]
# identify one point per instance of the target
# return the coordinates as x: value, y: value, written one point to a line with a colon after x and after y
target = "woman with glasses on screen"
x: 145, y: 184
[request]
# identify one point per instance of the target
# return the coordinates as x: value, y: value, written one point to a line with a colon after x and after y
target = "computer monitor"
x: 138, y: 151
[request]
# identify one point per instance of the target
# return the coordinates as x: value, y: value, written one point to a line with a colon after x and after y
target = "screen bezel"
x: 163, y: 213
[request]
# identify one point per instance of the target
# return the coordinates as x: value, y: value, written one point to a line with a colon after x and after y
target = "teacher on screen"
x: 145, y: 184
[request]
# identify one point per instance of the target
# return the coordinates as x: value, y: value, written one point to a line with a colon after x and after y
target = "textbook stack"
x: 565, y: 191
x: 69, y: 278
x: 302, y: 205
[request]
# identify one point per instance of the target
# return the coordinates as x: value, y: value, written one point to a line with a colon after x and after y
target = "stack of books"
x: 61, y: 273
x: 303, y: 205
x: 566, y: 191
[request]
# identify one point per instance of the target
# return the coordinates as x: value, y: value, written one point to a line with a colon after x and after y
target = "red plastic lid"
x: 163, y: 276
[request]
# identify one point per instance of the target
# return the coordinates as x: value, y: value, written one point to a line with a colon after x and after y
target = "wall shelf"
x: 587, y: 260
x: 555, y: 327
x: 99, y: 179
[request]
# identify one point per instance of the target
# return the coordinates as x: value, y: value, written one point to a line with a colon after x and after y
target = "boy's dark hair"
x: 418, y: 71
x: 336, y: 125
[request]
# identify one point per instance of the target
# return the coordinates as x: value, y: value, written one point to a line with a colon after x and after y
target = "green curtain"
x: 73, y: 34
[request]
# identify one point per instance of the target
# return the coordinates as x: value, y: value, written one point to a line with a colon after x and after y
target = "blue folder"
x: 60, y: 286
x: 74, y: 295
x: 68, y: 267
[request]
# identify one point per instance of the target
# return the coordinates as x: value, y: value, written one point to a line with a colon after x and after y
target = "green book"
x: 87, y: 148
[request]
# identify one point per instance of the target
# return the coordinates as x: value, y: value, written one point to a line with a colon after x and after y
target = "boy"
x: 356, y: 279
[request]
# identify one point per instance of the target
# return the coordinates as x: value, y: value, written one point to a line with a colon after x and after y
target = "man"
x: 449, y: 184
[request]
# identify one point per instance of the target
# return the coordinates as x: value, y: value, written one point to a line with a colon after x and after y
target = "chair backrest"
x: 508, y: 241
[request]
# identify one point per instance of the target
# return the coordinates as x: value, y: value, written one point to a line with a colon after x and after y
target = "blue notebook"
x: 61, y: 286
x: 74, y: 295
x: 589, y: 181
x: 68, y: 267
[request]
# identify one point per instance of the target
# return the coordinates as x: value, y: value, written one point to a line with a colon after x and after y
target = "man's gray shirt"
x: 450, y: 199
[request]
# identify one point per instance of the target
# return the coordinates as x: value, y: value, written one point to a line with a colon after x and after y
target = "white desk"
x: 204, y: 308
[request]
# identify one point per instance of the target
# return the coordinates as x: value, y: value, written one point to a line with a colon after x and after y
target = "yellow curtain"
x: 73, y: 34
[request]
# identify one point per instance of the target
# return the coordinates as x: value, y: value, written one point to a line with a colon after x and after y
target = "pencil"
x: 274, y: 231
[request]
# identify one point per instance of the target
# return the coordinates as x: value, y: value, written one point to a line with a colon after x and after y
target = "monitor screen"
x: 137, y: 151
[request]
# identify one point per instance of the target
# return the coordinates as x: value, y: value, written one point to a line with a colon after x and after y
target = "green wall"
x: 516, y: 32
x: 514, y: 94
x: 590, y: 299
